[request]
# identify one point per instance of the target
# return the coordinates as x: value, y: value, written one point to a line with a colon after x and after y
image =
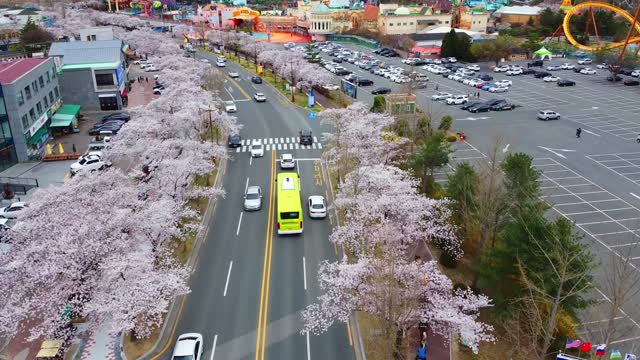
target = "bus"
x: 289, y: 203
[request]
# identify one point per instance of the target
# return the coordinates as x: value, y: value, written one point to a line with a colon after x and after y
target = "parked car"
x: 541, y: 74
x: 111, y: 126
x: 259, y: 97
x: 548, y: 115
x: 614, y: 78
x: 440, y: 96
x: 504, y: 83
x: 365, y: 82
x: 602, y: 66
x: 498, y: 89
x: 503, y: 106
x: 632, y: 82
x: 551, y: 78
x: 585, y: 61
x: 257, y: 149
x: 577, y: 69
x: 380, y: 91
x: 470, y: 104
x: 473, y: 67
x: 566, y: 83
x: 485, y: 77
x: 501, y: 68
x: 306, y: 137
x: 230, y: 106
x: 234, y: 141
x: 14, y: 210
x: 89, y: 163
x: 457, y: 100
x: 554, y: 67
x: 588, y: 71
x: 253, y: 198
x: 331, y: 87
x: 116, y: 116
x: 256, y: 79
x: 317, y: 207
x: 188, y: 346
x: 481, y: 107
x: 567, y: 66
x: 635, y: 73
x: 151, y: 69
x: 514, y: 72
x: 536, y: 63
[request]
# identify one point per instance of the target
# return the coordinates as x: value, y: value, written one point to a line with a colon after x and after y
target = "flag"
x: 585, y: 347
x: 615, y: 354
x: 573, y: 344
x: 600, y: 349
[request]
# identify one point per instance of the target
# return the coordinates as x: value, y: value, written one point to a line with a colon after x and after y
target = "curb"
x: 178, y: 302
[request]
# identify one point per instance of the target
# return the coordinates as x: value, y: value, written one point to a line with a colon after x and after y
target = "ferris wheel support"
x: 631, y: 30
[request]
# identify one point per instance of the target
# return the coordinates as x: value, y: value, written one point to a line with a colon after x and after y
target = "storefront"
x: 38, y: 132
x: 65, y: 120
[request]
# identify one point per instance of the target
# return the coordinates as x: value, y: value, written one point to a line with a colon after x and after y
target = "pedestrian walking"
x: 422, y: 352
x: 578, y: 132
x: 147, y: 79
x: 436, y: 87
x: 74, y: 148
x: 638, y: 139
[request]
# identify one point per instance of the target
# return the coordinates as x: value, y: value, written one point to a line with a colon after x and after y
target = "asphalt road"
x: 593, y: 180
x: 225, y: 302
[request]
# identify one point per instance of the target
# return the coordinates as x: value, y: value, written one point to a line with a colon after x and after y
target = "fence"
x: 354, y: 39
x: 19, y: 185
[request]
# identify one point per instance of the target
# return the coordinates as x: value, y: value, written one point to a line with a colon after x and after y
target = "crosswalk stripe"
x: 238, y: 148
x: 265, y: 141
x: 268, y: 147
x: 244, y: 148
x: 278, y: 146
x: 270, y: 140
x: 315, y: 139
x: 297, y: 146
x: 281, y: 141
x: 313, y: 145
x: 286, y: 139
x: 319, y: 146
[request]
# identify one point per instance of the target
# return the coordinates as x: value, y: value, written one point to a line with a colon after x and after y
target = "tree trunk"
x: 551, y: 324
x: 397, y: 350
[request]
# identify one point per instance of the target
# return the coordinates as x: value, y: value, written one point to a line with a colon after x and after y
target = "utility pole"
x: 209, y: 110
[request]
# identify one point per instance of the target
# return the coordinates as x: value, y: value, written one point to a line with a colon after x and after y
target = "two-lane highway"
x: 249, y: 284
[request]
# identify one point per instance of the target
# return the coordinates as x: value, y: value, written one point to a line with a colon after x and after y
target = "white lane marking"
x: 238, y: 149
x: 554, y: 151
x: 590, y: 132
x: 250, y: 159
x: 213, y: 349
x: 506, y: 148
x: 304, y: 272
x: 226, y: 285
x: 319, y: 146
x: 635, y: 196
x: 246, y: 186
x: 308, y: 348
x: 239, y: 222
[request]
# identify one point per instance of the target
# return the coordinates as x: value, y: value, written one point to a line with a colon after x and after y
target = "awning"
x: 36, y: 137
x: 68, y: 109
x: 61, y: 120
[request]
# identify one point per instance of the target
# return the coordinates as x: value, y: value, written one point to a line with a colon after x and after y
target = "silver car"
x: 253, y: 198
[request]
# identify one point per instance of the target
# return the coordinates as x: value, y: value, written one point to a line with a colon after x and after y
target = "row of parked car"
x: 473, y: 106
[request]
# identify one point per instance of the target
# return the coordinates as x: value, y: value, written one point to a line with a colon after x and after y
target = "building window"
x: 104, y: 80
x: 446, y: 22
x: 27, y: 92
x: 32, y: 114
x: 34, y: 84
x: 411, y: 23
x: 41, y: 80
x: 25, y: 121
x: 390, y: 24
x: 39, y: 106
x: 404, y: 24
x: 53, y: 72
x: 48, y: 77
x: 45, y: 101
x: 20, y: 98
x: 51, y: 97
x: 55, y: 90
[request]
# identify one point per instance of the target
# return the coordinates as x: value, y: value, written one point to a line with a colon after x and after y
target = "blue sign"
x: 311, y: 98
x: 312, y: 115
x: 119, y: 74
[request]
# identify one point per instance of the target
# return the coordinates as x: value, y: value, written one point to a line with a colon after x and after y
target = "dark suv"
x: 234, y: 141
x: 535, y: 63
x: 305, y: 137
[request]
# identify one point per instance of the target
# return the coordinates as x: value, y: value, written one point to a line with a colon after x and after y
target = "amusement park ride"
x: 633, y: 36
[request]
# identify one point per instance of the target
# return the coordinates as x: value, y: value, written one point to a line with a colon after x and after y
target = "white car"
x: 188, y: 347
x: 287, y: 161
x: 317, y: 207
x: 144, y: 65
x: 548, y: 115
x: 504, y: 83
x: 475, y: 82
x: 230, y: 106
x: 567, y: 66
x: 89, y: 163
x: 551, y: 79
x: 409, y: 61
x: 514, y: 72
x: 331, y: 87
x: 498, y: 89
x: 220, y: 63
x: 604, y: 66
x: 204, y: 60
x: 234, y: 75
x: 457, y: 100
x: 587, y: 71
x: 13, y: 211
x: 554, y: 67
x: 585, y: 61
x: 440, y: 96
x: 455, y: 77
x: 257, y: 149
x: 259, y: 97
x: 474, y: 67
x: 452, y: 60
x: 635, y: 73
x: 501, y: 68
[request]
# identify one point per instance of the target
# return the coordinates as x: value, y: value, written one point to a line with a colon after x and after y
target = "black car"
x: 577, y: 69
x: 541, y: 74
x: 96, y: 130
x: 256, y: 79
x: 305, y: 137
x: 234, y: 141
x: 493, y: 102
x: 626, y: 72
x: 119, y: 116
x: 364, y: 82
x: 470, y: 104
x: 566, y: 83
x: 380, y: 91
x: 338, y: 60
x: 535, y: 63
x: 378, y: 51
x: 528, y: 71
x: 614, y: 78
x: 485, y: 77
x: 158, y: 87
x: 631, y: 82
x: 480, y: 108
x: 503, y: 106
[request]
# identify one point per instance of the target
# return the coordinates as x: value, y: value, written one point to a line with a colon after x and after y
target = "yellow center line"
x: 236, y: 85
x: 173, y: 331
x: 266, y: 270
x: 349, y: 333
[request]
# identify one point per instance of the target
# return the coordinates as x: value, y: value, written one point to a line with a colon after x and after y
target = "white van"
x: 421, y: 77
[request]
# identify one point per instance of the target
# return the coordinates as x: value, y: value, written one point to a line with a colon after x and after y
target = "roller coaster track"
x: 592, y: 4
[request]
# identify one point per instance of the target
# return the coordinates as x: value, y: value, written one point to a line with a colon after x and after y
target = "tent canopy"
x: 543, y: 51
x: 65, y: 116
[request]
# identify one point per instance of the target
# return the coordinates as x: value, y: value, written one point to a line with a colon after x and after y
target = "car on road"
x: 89, y: 163
x: 220, y: 63
x: 234, y: 74
x: 306, y: 137
x: 188, y: 347
x: 14, y: 210
x: 234, y: 141
x: 473, y: 67
x: 419, y: 85
x: 257, y: 149
x: 259, y: 97
x: 253, y: 198
x: 514, y: 72
x: 501, y: 68
x: 457, y: 100
x: 548, y: 115
x: 554, y: 67
x: 567, y: 66
x: 551, y: 78
x: 230, y: 106
x: 256, y: 79
x: 381, y: 91
x: 566, y: 83
x: 498, y: 89
x: 117, y: 116
x: 331, y: 87
x: 585, y: 61
x: 631, y: 82
x: 440, y: 96
x: 317, y: 207
x: 588, y: 71
x: 504, y: 83
x: 287, y: 161
x: 503, y: 106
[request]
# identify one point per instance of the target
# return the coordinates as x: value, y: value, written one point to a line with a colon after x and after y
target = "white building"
x: 96, y: 33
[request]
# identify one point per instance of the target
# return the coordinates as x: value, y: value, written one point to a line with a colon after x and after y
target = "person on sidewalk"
x: 422, y: 352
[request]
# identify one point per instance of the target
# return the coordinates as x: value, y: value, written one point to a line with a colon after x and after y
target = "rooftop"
x: 519, y: 10
x: 87, y: 52
x: 11, y: 71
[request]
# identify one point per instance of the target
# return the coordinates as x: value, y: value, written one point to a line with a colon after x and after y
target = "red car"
x: 479, y: 86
